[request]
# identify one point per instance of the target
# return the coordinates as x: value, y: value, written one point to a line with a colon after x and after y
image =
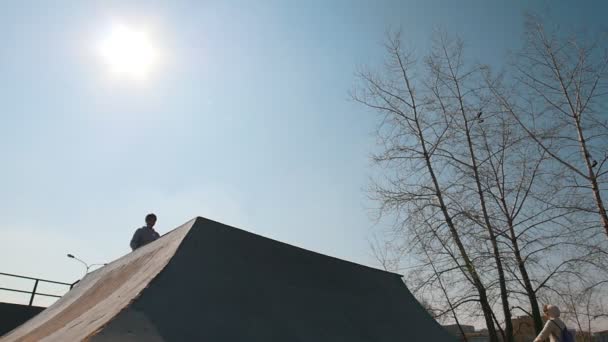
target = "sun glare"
x: 128, y: 52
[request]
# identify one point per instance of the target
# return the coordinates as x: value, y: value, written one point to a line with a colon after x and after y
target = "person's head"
x: 150, y: 220
x: 551, y: 311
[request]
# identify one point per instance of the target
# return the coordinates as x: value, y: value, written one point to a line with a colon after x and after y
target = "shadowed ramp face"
x: 206, y: 281
x: 226, y: 284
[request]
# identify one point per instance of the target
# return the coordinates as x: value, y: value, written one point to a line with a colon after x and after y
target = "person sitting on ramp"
x: 145, y: 234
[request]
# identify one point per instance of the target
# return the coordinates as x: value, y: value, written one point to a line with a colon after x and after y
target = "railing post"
x: 34, y: 292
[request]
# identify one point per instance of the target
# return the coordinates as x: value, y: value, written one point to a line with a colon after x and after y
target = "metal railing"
x: 33, y: 292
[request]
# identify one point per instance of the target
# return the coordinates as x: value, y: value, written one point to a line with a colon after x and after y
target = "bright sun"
x: 128, y: 52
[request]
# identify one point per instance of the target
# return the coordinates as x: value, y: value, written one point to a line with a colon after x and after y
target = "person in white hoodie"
x: 554, y: 326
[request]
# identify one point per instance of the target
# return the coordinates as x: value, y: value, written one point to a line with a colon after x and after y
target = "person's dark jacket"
x: 143, y: 236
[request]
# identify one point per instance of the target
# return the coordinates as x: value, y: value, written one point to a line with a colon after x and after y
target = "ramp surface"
x: 206, y: 281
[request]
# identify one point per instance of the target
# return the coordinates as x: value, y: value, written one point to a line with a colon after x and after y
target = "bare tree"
x: 457, y: 90
x: 491, y: 182
x: 545, y: 236
x: 511, y: 171
x: 412, y: 131
x: 562, y: 106
x: 439, y: 275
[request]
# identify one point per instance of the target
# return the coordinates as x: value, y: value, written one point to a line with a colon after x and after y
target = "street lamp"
x: 71, y: 256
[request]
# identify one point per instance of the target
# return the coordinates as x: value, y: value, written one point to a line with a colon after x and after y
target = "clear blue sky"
x: 247, y: 121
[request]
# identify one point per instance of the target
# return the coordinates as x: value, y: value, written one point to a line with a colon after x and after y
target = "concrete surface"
x: 206, y: 281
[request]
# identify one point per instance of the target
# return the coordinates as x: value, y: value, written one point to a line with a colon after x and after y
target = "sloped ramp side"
x: 226, y: 284
x: 100, y: 295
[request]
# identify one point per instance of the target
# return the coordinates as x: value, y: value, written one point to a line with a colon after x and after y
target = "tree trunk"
x: 483, y: 297
x: 538, y: 320
x: 504, y: 295
x: 597, y: 196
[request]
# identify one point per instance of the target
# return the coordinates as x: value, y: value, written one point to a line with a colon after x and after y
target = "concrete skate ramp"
x: 101, y: 295
x: 206, y: 281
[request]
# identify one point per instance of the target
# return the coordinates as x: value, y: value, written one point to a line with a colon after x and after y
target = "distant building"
x: 523, y: 329
x: 454, y: 330
x: 600, y: 336
x: 479, y: 336
x: 582, y: 335
x: 469, y: 331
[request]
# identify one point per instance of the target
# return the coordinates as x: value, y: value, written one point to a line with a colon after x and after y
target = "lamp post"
x: 87, y: 266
